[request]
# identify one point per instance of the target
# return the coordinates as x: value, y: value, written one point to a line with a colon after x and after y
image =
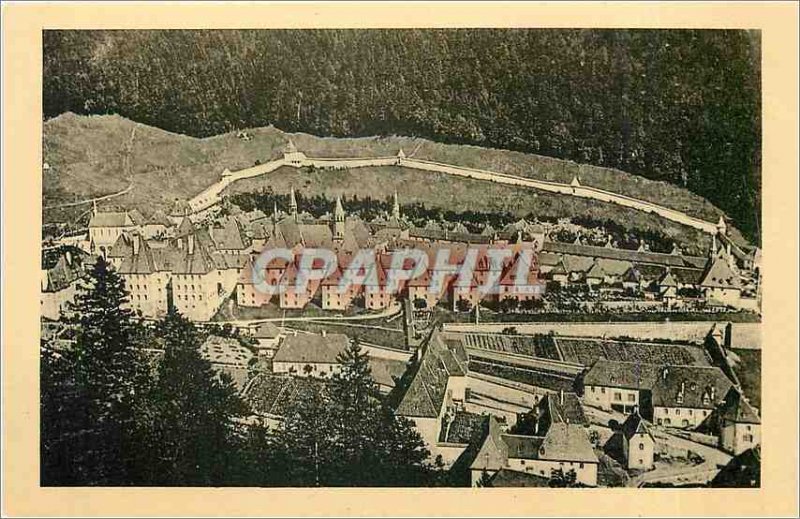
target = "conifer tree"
x: 95, y: 382
x: 191, y: 415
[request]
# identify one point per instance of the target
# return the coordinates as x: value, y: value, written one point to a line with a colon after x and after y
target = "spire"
x: 338, y: 212
x: 338, y: 220
x: 722, y: 227
x: 575, y: 182
x: 293, y: 204
x: 396, y: 206
x: 94, y: 207
x: 714, y: 245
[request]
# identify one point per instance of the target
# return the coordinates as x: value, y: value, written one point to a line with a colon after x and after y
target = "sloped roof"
x: 719, y: 275
x: 630, y: 375
x: 703, y: 387
x: 225, y: 350
x: 312, y: 348
x: 567, y: 442
x: 655, y: 258
x: 607, y: 267
x: 426, y: 392
x: 159, y: 218
x: 64, y: 272
x: 634, y: 425
x: 266, y: 330
x: 112, y: 219
x: 569, y: 410
x: 493, y: 451
x: 228, y: 234
x: 667, y: 280
x: 385, y: 371
x: 462, y: 429
x: 736, y: 409
x: 523, y: 447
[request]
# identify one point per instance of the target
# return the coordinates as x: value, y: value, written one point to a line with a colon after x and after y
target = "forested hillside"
x: 680, y: 106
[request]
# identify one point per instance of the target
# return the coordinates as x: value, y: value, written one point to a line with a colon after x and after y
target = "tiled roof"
x: 634, y: 425
x: 719, y: 275
x: 568, y: 410
x: 523, y: 447
x: 312, y: 348
x: 462, y: 429
x: 266, y: 330
x: 63, y: 273
x: 493, y: 451
x: 159, y: 218
x: 629, y: 375
x: 696, y: 387
x: 386, y: 371
x: 736, y: 409
x: 425, y: 395
x: 228, y: 235
x: 608, y: 267
x: 113, y: 219
x: 567, y: 442
x: 618, y: 254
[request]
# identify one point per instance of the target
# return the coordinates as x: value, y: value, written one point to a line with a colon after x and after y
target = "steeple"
x: 396, y: 207
x: 293, y: 204
x: 722, y: 227
x: 338, y: 220
x: 275, y: 218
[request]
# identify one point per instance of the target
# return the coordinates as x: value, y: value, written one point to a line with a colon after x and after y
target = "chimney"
x: 180, y: 243
x: 664, y: 373
x: 190, y: 243
x: 561, y: 397
x: 713, y: 395
x: 324, y: 333
x: 683, y: 388
x: 135, y: 244
x: 68, y: 255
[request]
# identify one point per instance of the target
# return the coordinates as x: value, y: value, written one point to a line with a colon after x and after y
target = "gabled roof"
x: 493, y: 451
x: 667, y: 280
x: 65, y: 272
x: 719, y: 275
x: 567, y: 442
x: 607, y: 267
x: 696, y: 387
x: 655, y: 258
x: 312, y: 348
x: 634, y: 425
x: 266, y: 330
x: 229, y: 235
x: 116, y: 219
x: 159, y: 218
x: 736, y: 409
x: 426, y: 392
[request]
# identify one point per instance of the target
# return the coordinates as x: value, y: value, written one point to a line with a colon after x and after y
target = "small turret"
x: 575, y: 182
x: 722, y: 227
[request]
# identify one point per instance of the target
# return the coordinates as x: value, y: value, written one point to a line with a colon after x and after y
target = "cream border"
x: 21, y: 218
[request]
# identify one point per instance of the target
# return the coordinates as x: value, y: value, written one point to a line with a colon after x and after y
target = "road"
x: 679, y: 473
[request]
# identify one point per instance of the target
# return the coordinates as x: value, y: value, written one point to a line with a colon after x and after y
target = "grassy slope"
x: 86, y: 158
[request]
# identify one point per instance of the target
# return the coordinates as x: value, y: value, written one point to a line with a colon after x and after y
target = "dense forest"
x: 674, y: 105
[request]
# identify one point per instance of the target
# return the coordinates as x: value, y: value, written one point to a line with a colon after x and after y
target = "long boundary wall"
x: 211, y: 195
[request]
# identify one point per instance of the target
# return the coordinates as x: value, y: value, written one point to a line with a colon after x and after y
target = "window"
x: 690, y: 412
x: 618, y: 396
x: 602, y: 390
x: 641, y: 446
x: 592, y: 388
x: 685, y: 422
x: 641, y: 462
x: 631, y: 397
x: 748, y: 438
x: 581, y: 465
x: 748, y: 427
x: 677, y: 412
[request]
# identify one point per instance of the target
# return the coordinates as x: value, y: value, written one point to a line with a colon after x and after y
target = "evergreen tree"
x: 191, y: 415
x: 89, y: 395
